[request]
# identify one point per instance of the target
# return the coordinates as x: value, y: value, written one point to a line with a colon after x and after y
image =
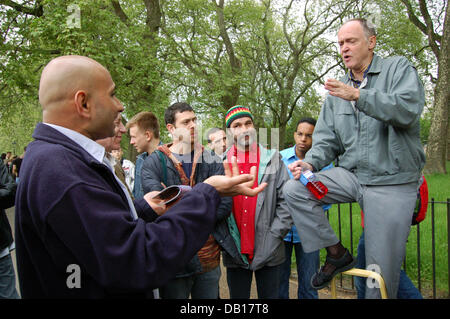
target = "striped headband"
x: 236, y: 112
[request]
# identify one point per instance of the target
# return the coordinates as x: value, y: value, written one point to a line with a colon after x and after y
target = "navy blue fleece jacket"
x: 70, y: 210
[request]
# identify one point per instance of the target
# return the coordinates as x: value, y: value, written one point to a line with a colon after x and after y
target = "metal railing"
x: 417, y: 275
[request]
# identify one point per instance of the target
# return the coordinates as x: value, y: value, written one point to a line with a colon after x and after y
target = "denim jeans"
x: 200, y: 286
x: 406, y: 289
x: 307, y: 265
x: 267, y: 282
x: 7, y: 279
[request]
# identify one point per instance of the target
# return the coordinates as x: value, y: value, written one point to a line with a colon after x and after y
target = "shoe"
x: 321, y: 279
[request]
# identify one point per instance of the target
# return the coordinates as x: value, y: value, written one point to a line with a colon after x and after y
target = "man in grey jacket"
x: 259, y: 224
x: 370, y: 122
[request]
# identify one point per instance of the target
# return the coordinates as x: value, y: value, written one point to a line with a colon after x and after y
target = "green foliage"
x: 273, y: 60
x: 425, y: 124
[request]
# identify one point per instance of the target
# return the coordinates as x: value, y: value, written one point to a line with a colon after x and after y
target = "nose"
x: 122, y: 128
x: 120, y: 107
x: 344, y: 48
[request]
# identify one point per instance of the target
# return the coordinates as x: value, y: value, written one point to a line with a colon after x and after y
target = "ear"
x: 372, y: 42
x: 170, y: 128
x: 148, y: 135
x: 82, y: 106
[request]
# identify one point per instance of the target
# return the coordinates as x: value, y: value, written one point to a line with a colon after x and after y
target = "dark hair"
x: 212, y: 131
x: 368, y: 27
x: 309, y: 120
x: 178, y: 107
x: 3, y: 156
x: 145, y: 121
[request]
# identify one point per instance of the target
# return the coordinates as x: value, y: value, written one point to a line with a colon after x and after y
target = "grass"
x: 439, y: 189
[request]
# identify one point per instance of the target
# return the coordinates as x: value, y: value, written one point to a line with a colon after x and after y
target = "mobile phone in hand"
x: 170, y: 195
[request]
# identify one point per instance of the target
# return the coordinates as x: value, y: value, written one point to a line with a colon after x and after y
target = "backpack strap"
x: 163, y: 166
x: 420, y: 210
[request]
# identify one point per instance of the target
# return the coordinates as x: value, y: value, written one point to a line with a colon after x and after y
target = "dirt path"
x: 323, y: 293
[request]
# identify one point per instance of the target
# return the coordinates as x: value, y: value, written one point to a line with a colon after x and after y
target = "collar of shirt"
x: 250, y: 156
x: 289, y: 154
x: 356, y: 83
x: 93, y: 148
x: 110, y: 161
x: 98, y: 152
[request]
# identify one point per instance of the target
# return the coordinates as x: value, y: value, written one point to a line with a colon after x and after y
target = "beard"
x: 246, y: 139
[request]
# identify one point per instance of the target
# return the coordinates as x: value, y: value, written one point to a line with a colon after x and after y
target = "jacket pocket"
x: 346, y: 122
x: 403, y: 151
x: 271, y: 252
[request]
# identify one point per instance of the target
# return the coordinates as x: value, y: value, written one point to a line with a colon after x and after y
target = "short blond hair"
x: 145, y: 121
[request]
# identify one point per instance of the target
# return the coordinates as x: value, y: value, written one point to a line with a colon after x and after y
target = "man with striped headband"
x: 257, y: 224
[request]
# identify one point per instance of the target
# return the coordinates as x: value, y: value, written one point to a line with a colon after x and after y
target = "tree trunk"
x: 437, y: 140
x: 448, y: 141
x: 233, y: 91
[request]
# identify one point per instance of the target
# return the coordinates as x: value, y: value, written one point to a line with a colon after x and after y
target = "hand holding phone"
x: 172, y: 194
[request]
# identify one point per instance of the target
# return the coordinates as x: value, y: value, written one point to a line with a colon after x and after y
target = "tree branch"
x: 119, y: 12
x: 426, y: 29
x: 36, y: 11
x: 234, y: 61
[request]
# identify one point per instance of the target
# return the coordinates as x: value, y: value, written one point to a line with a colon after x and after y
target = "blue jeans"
x: 307, y: 265
x: 406, y: 289
x: 240, y: 281
x: 200, y: 286
x: 7, y: 279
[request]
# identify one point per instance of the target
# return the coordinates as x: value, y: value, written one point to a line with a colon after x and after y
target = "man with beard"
x: 257, y: 224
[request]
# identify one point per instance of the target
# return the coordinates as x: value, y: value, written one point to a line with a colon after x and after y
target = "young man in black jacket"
x: 186, y: 162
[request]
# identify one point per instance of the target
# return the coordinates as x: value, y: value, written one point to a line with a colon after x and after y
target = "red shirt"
x: 244, y: 207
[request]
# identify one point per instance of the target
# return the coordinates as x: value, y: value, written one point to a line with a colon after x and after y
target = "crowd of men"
x: 102, y: 215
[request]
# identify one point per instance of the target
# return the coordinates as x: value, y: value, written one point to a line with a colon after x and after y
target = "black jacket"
x: 208, y: 165
x: 7, y: 196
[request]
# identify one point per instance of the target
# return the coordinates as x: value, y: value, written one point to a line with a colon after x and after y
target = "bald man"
x: 77, y: 233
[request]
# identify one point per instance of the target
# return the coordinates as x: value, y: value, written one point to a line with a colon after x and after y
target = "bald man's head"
x: 78, y: 93
x: 65, y: 75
